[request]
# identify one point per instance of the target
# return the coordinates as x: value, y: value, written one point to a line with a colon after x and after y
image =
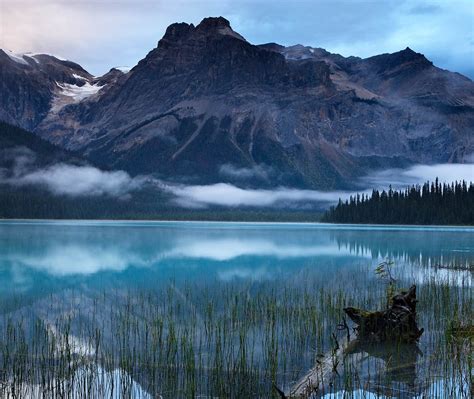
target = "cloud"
x: 223, y: 194
x: 262, y: 172
x: 418, y: 174
x: 78, y: 181
x: 65, y: 179
x: 71, y: 180
x: 228, y: 195
x: 21, y: 158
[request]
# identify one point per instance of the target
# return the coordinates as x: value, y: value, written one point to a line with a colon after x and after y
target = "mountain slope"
x: 20, y: 148
x: 24, y: 154
x: 35, y: 86
x: 208, y: 106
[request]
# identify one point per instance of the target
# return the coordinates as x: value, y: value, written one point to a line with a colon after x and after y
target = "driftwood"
x: 397, y: 323
x: 319, y: 379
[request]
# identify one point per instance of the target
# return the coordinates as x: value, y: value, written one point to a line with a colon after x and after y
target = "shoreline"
x: 358, y: 226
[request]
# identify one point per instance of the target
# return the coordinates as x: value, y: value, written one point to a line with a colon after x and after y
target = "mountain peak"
x: 217, y: 25
x: 208, y: 26
x: 175, y: 32
x: 214, y: 22
x: 208, y: 99
x: 409, y: 55
x: 406, y: 57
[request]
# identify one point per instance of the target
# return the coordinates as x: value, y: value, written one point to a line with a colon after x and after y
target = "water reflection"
x: 395, y: 367
x: 97, y: 276
x: 88, y: 382
x: 66, y: 259
x: 230, y: 248
x: 63, y: 250
x: 426, y: 247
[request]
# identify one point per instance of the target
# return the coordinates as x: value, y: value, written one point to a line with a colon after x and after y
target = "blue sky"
x: 100, y: 34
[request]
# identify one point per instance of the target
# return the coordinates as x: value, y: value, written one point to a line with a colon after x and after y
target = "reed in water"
x: 229, y: 339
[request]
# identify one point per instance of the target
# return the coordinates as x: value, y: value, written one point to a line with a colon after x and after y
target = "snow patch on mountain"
x: 18, y: 58
x: 70, y: 94
x: 78, y: 93
x: 78, y: 76
x: 297, y: 57
x: 34, y: 55
x: 124, y: 69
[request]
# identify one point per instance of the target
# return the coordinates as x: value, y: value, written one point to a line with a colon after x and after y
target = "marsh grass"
x: 229, y: 340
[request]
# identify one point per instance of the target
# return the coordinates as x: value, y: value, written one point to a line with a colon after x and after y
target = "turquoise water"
x: 46, y: 265
x: 42, y: 256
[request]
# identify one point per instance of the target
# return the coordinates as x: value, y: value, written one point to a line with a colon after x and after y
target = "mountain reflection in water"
x: 83, y: 277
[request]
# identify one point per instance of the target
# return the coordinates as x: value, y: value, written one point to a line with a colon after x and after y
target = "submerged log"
x: 398, y: 322
x: 318, y: 380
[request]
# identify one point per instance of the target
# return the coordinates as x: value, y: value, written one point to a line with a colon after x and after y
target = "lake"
x: 191, y: 309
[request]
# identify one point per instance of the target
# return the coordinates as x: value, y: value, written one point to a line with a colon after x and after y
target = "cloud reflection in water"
x: 79, y: 259
x: 227, y: 251
x: 231, y: 248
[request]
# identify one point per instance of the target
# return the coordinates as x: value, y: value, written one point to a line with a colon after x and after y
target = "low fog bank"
x: 65, y: 179
x: 228, y: 195
x: 418, y: 174
x: 85, y: 180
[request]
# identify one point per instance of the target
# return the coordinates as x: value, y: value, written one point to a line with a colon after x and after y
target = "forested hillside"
x: 432, y: 203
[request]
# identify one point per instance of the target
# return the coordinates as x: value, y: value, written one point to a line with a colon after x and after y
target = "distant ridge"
x: 206, y: 101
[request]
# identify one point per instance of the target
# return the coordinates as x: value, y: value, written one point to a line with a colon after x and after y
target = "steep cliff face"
x: 207, y: 106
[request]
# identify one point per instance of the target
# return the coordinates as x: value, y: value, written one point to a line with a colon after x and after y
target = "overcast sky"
x: 100, y: 34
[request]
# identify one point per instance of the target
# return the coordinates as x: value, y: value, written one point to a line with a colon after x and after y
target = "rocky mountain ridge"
x: 205, y: 102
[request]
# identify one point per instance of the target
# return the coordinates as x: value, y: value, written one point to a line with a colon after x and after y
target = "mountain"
x: 30, y: 167
x: 37, y: 86
x: 206, y: 105
x: 22, y: 149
